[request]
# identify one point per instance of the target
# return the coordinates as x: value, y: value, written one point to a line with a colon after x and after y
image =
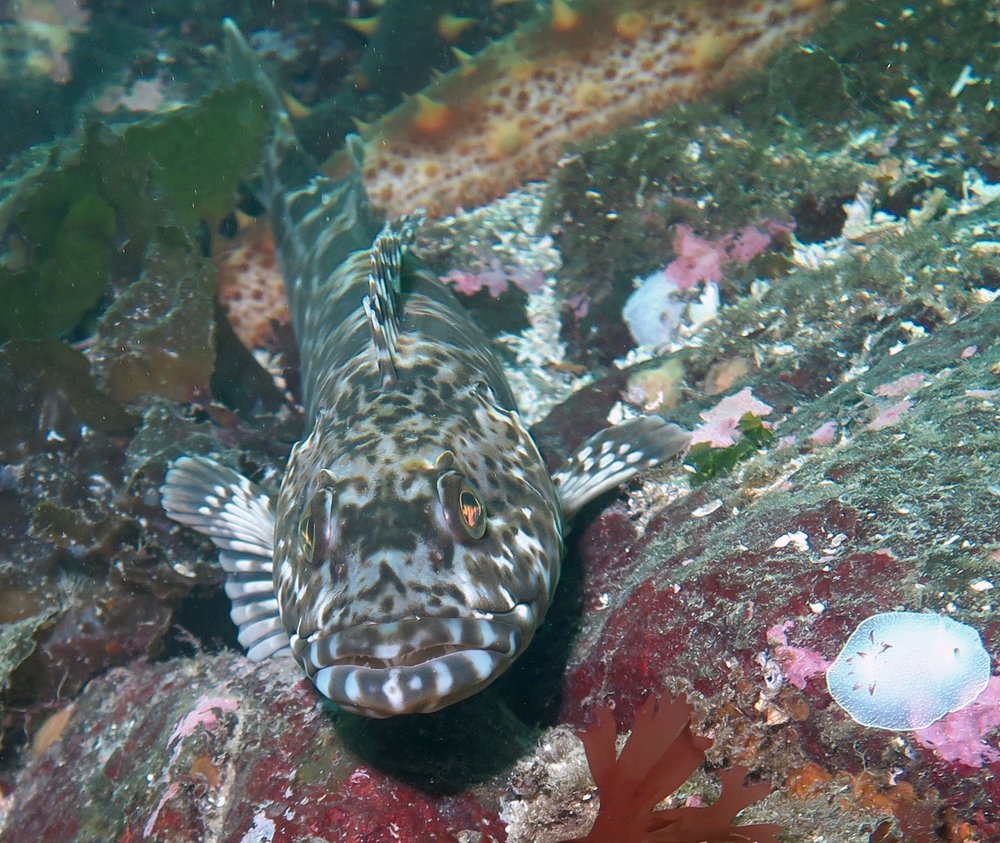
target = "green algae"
x: 64, y: 240
x: 18, y: 642
x: 198, y: 154
x: 706, y: 461
x: 85, y: 211
x: 66, y: 218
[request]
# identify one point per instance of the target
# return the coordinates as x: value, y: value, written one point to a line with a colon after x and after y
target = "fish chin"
x: 414, y: 665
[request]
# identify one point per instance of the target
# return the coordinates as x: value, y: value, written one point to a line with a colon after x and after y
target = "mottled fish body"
x: 415, y: 543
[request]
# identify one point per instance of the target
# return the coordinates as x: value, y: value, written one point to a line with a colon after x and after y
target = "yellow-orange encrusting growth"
x: 366, y: 27
x: 432, y: 118
x: 564, y: 17
x: 584, y: 68
x: 249, y: 285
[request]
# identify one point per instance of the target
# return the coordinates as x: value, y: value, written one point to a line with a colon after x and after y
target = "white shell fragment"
x: 905, y: 670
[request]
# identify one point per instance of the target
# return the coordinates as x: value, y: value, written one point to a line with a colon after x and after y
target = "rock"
x: 216, y: 748
x: 821, y: 536
x: 873, y: 338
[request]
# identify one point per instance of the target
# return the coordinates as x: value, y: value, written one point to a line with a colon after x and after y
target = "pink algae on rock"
x: 204, y: 715
x: 720, y: 425
x: 887, y: 416
x: 700, y: 260
x: 961, y: 737
x: 495, y: 279
x: 903, y: 385
x: 798, y: 664
x: 825, y: 433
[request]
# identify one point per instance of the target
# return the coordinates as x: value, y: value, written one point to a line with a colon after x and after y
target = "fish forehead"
x: 405, y: 432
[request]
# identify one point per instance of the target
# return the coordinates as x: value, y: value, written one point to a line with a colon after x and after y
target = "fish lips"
x: 415, y: 665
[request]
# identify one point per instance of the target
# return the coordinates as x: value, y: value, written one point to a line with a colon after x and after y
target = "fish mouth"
x: 414, y: 665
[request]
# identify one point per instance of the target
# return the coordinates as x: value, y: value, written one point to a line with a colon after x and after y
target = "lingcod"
x: 416, y: 539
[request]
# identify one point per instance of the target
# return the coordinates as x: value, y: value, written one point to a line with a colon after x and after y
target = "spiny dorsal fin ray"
x: 614, y: 456
x: 238, y: 517
x: 382, y: 300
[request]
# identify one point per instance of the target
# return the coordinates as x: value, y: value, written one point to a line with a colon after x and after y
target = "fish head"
x: 413, y: 567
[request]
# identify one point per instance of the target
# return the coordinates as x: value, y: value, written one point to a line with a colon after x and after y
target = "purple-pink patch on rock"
x: 798, y: 664
x: 902, y: 386
x: 203, y: 716
x: 960, y: 737
x: 887, y: 416
x: 720, y: 428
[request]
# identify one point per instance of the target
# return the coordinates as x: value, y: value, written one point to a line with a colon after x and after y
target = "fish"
x: 415, y: 542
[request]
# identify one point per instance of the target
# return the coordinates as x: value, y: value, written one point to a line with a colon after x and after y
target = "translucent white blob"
x: 905, y: 670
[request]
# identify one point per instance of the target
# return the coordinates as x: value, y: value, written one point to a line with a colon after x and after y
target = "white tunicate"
x: 653, y: 311
x: 905, y: 670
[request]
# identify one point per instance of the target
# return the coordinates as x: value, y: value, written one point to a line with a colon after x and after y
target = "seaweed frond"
x: 658, y: 757
x: 707, y: 461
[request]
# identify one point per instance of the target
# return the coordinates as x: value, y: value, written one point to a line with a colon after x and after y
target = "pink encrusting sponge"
x: 906, y: 670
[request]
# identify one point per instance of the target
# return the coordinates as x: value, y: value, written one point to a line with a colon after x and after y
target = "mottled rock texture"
x: 129, y: 715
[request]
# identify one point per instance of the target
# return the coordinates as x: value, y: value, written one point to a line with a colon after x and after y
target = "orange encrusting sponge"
x: 504, y: 116
x: 250, y: 286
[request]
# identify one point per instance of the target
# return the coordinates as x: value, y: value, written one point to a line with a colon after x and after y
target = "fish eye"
x: 316, y: 528
x: 463, y: 507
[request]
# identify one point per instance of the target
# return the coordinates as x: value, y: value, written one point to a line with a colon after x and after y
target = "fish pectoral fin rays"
x: 614, y: 456
x: 238, y: 517
x: 382, y: 300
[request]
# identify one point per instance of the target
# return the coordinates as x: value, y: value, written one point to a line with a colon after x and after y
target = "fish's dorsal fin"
x: 382, y: 300
x: 238, y: 517
x: 614, y: 456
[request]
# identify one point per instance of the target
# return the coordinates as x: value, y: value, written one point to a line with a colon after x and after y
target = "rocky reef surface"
x: 842, y: 365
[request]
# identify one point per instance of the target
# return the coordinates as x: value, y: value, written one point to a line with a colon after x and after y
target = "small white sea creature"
x: 905, y: 670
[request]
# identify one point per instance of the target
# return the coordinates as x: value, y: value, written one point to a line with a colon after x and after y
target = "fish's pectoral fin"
x: 382, y: 300
x: 614, y: 456
x: 238, y: 516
